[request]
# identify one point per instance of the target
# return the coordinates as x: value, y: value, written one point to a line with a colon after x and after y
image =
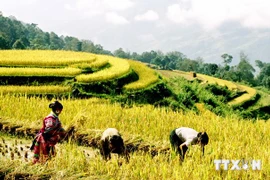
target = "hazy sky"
x: 141, y: 25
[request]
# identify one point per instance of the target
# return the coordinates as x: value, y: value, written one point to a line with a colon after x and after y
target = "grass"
x: 264, y: 100
x: 230, y: 138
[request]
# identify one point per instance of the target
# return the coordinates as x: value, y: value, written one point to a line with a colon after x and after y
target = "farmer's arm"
x: 183, y: 148
x: 65, y: 134
x: 62, y: 133
x: 202, y: 149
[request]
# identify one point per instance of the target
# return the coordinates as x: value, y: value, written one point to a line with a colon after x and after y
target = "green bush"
x: 223, y: 92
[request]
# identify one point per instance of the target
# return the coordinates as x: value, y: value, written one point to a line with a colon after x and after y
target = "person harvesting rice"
x: 112, y: 142
x: 181, y: 138
x: 51, y: 133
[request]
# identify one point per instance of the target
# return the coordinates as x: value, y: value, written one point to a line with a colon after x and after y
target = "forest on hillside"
x: 15, y: 34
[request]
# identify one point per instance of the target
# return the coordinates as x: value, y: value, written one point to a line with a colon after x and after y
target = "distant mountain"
x: 231, y: 38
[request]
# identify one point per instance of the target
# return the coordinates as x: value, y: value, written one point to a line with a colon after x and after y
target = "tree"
x: 72, y: 43
x: 189, y: 65
x: 264, y: 75
x: 175, y: 59
x: 88, y: 46
x: 227, y: 59
x: 3, y: 43
x: 39, y: 42
x: 148, y: 56
x: 259, y: 64
x: 56, y: 42
x: 18, y: 45
x: 98, y: 49
x: 245, y: 69
x: 266, y: 82
x: 121, y: 53
x: 210, y: 69
x: 165, y: 62
x: 232, y: 74
x: 176, y: 56
x: 135, y: 56
x: 157, y: 61
x: 25, y: 42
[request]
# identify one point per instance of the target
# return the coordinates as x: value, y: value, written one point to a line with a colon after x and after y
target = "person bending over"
x: 112, y: 142
x: 181, y: 138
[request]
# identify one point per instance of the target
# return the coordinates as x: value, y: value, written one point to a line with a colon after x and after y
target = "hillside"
x: 252, y: 102
x: 62, y: 74
x: 75, y: 74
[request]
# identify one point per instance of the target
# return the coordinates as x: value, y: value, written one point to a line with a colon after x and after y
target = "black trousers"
x: 175, y: 142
